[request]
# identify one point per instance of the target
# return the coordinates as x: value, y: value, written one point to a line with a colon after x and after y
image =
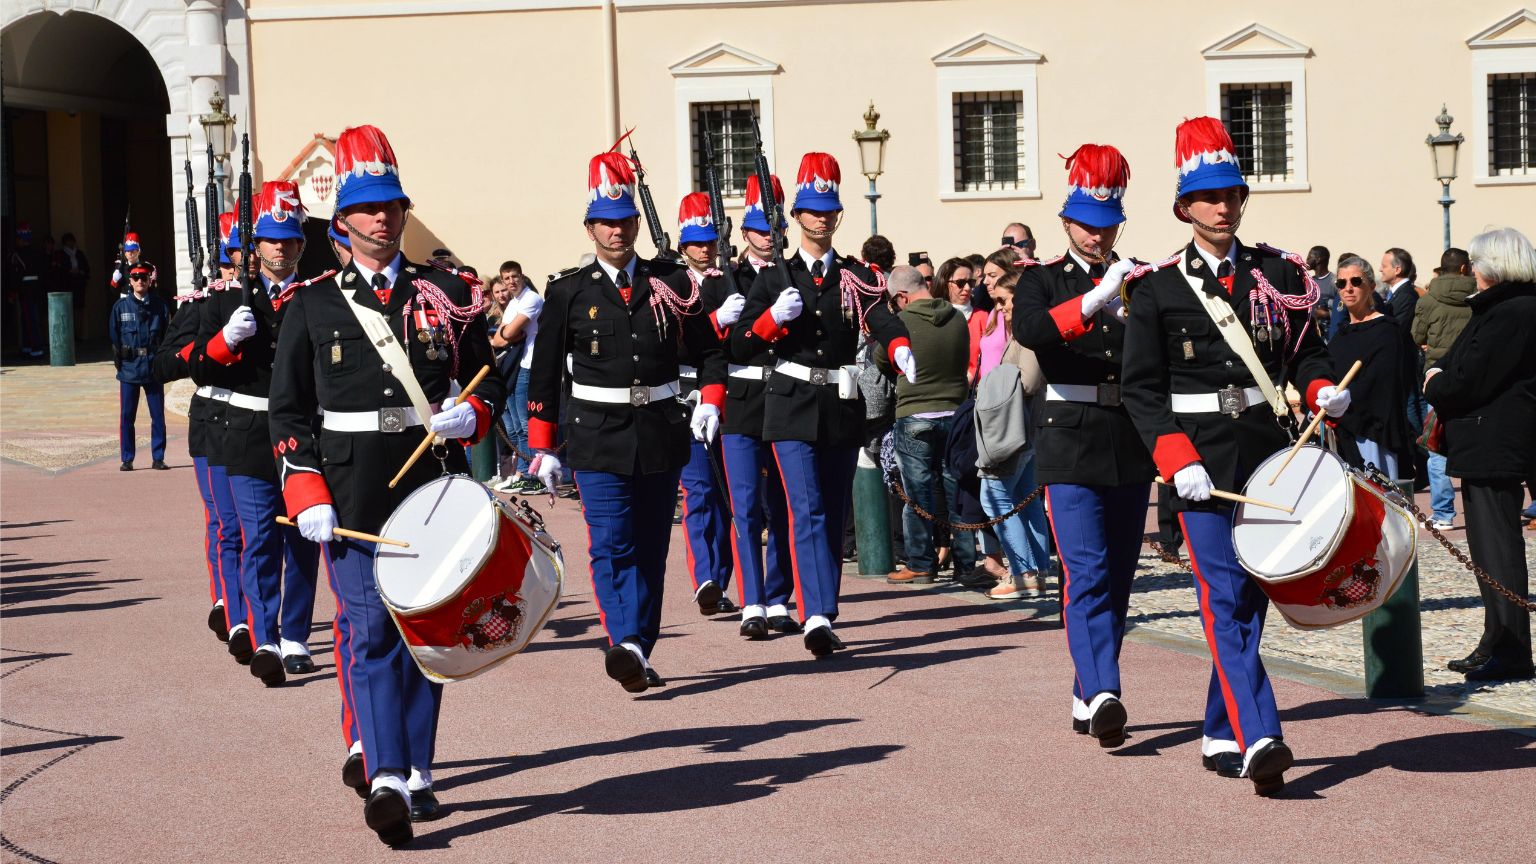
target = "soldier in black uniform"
x: 1096, y: 471
x: 370, y: 424
x: 1209, y: 421
x: 627, y: 325
x: 809, y: 319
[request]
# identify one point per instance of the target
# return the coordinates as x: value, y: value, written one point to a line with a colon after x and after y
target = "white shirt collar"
x: 391, y: 270
x: 1392, y: 289
x: 277, y: 287
x: 826, y: 260
x: 613, y: 272
x: 1213, y: 262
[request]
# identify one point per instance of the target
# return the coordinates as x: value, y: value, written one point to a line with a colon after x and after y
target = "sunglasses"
x: 1026, y: 243
x: 1356, y: 281
x: 969, y: 282
x: 138, y: 278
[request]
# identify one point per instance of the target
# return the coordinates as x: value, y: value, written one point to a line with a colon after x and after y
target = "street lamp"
x: 872, y: 158
x: 1443, y: 149
x: 222, y: 122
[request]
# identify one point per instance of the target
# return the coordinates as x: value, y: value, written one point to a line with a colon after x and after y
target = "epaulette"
x: 564, y: 273
x: 1027, y: 262
x: 323, y: 276
x: 1141, y: 270
x: 1292, y: 257
x: 470, y: 279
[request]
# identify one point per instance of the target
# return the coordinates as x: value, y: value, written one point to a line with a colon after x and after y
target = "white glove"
x: 730, y: 311
x: 1108, y: 287
x: 705, y: 422
x: 1333, y: 401
x: 318, y: 523
x: 787, y: 307
x: 906, y: 363
x: 240, y: 327
x: 456, y: 422
x: 546, y: 467
x: 1116, y: 307
x: 1192, y: 483
x: 117, y: 276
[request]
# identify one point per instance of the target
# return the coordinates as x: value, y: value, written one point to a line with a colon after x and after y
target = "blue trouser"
x: 920, y: 449
x: 278, y: 568
x: 1241, y: 704
x: 128, y: 403
x: 818, y: 481
x: 387, y: 703
x: 629, y: 529
x: 706, y: 517
x: 1022, y: 535
x: 225, y: 541
x: 517, y: 406
x: 1442, y: 491
x: 1098, y: 536
x: 757, y: 500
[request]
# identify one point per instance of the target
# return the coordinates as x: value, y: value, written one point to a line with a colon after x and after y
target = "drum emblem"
x: 1349, y: 586
x: 490, y: 622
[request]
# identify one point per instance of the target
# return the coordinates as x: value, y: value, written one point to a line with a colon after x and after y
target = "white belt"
x: 205, y: 391
x: 687, y: 371
x: 635, y: 396
x: 1210, y: 403
x: 807, y: 373
x: 239, y: 400
x: 383, y: 420
x: 751, y: 373
x: 1092, y: 394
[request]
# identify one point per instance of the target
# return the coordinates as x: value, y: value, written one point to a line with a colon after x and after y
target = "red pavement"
x: 941, y: 735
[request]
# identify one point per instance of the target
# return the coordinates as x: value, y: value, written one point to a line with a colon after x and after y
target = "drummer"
x: 374, y: 408
x: 1185, y: 380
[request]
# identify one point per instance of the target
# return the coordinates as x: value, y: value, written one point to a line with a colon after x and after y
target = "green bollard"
x: 482, y: 457
x: 61, y: 328
x: 1394, y: 643
x: 871, y: 519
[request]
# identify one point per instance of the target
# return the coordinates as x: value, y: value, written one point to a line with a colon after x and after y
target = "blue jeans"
x: 517, y: 429
x: 1023, y: 533
x: 920, y: 449
x: 1442, y: 492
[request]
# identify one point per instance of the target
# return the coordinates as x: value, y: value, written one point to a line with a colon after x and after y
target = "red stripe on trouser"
x: 1066, y: 589
x: 213, y: 591
x: 597, y: 599
x: 794, y: 545
x: 688, y: 540
x: 346, y: 710
x: 343, y: 652
x: 229, y: 624
x: 1209, y: 622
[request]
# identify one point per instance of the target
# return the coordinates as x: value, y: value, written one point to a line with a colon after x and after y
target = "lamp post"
x: 872, y: 158
x: 222, y: 122
x: 1443, y: 148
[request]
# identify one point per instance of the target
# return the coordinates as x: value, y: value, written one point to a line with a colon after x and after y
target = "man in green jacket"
x: 1439, y: 318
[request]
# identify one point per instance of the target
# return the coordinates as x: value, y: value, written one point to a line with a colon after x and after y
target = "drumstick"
x: 427, y: 442
x: 1241, y: 499
x: 1312, y: 427
x: 355, y: 535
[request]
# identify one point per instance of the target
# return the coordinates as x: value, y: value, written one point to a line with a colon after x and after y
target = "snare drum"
x: 478, y: 581
x: 1340, y: 555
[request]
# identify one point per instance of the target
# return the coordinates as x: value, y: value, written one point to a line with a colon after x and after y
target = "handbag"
x: 1432, y: 436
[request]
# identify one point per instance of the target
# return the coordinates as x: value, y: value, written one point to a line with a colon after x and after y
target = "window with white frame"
x: 729, y: 127
x: 1512, y: 124
x: 988, y: 141
x: 1260, y: 118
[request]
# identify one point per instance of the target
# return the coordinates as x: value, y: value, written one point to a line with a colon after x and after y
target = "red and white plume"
x: 364, y: 150
x: 1202, y: 141
x: 1098, y: 170
x: 609, y: 175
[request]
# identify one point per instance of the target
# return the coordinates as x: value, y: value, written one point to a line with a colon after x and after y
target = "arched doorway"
x: 85, y: 145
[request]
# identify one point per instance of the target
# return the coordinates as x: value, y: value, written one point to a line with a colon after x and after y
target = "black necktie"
x: 1096, y: 271
x: 622, y: 280
x: 381, y: 288
x: 1224, y: 275
x: 818, y: 270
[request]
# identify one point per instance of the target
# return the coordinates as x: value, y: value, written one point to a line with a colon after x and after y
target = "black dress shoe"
x: 755, y: 627
x: 624, y: 667
x: 352, y: 774
x: 726, y: 607
x: 424, y: 806
x: 299, y: 664
x: 241, y: 647
x: 1108, y: 723
x: 1267, y: 768
x: 708, y: 597
x: 159, y: 465
x: 389, y: 815
x: 1079, y: 726
x: 783, y: 624
x: 977, y: 580
x: 1471, y: 661
x: 653, y: 678
x: 126, y: 466
x: 267, y: 665
x: 1225, y: 764
x: 1496, y: 669
x: 821, y: 641
x: 217, y: 624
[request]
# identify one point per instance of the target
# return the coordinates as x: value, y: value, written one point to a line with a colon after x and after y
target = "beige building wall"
x: 494, y: 107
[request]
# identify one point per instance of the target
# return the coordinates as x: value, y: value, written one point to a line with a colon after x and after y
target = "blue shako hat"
x: 1097, y: 175
x: 816, y: 184
x: 694, y: 218
x: 366, y: 170
x: 1206, y: 159
x: 610, y: 187
x: 755, y: 218
x: 278, y: 213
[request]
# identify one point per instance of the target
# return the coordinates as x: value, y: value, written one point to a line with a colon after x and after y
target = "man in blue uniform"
x: 137, y: 326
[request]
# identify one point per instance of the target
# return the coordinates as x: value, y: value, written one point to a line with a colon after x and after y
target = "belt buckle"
x: 391, y: 419
x: 1231, y: 400
x: 818, y: 376
x: 639, y: 396
x: 1109, y: 394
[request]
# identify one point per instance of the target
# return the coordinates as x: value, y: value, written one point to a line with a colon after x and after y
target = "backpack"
x: 1002, y: 419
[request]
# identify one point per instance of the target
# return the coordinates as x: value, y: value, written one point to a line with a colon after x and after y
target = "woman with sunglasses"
x: 956, y: 280
x: 1376, y: 429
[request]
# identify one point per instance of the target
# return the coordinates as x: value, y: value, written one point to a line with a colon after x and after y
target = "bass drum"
x: 1339, y: 556
x: 478, y: 581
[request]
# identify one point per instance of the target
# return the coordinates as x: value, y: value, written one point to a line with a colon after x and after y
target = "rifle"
x: 247, y: 241
x: 724, y: 252
x: 659, y: 236
x: 211, y: 205
x: 194, y: 242
x: 120, y: 266
x: 772, y: 207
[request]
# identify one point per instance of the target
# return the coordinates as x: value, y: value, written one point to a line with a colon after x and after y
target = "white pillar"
x: 205, y: 66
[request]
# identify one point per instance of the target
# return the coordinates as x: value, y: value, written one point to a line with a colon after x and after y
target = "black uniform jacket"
x: 171, y: 364
x: 1173, y: 346
x: 325, y: 363
x: 614, y: 345
x: 744, y: 396
x: 1077, y: 442
x: 821, y: 337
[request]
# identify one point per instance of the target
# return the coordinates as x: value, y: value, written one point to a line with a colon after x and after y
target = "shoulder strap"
x: 1238, y: 341
x: 376, y: 328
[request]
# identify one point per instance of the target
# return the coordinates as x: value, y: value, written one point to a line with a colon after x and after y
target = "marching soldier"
x: 136, y: 329
x: 1095, y: 469
x: 1196, y: 324
x: 372, y: 410
x: 628, y: 326
x: 810, y: 316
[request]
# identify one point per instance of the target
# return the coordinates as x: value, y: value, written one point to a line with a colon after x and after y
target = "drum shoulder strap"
x: 376, y: 328
x: 1238, y: 341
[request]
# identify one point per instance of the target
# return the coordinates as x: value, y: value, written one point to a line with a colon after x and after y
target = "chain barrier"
x: 963, y: 526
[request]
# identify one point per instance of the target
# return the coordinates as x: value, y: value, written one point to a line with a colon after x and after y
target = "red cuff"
x: 1173, y: 452
x: 768, y: 329
x: 541, y: 434
x: 720, y: 332
x: 482, y: 418
x: 185, y: 353
x: 1313, y: 389
x: 220, y: 351
x: 890, y: 350
x: 303, y: 490
x: 1069, y: 319
x: 713, y: 394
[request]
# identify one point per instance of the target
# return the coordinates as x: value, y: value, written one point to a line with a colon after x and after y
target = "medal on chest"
x: 429, y: 331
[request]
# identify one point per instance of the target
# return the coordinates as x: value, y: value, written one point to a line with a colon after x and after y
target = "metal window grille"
x: 1512, y: 123
x: 989, y: 141
x: 729, y: 126
x: 1261, y: 119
